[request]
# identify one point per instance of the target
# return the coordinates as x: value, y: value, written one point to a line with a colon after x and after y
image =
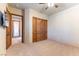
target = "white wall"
x: 2, y: 33
x: 64, y: 26
x: 29, y: 13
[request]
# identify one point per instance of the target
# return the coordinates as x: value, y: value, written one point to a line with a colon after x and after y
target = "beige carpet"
x: 42, y: 48
x: 16, y: 40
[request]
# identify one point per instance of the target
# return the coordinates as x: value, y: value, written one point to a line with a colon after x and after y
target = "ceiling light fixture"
x: 50, y: 4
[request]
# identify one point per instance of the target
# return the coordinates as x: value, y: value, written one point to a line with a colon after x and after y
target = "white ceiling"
x: 41, y: 7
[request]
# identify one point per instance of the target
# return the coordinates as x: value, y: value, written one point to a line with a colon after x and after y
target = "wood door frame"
x: 10, y: 29
x: 22, y: 24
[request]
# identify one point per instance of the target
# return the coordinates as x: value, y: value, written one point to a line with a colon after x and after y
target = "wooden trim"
x: 16, y: 15
x: 23, y: 26
x: 7, y: 12
x: 39, y: 18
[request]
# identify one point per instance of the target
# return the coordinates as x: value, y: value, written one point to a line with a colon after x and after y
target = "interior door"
x: 34, y: 29
x: 8, y: 30
x: 42, y: 29
x: 39, y: 29
x: 45, y: 29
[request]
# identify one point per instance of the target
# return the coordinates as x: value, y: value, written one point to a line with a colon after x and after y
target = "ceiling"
x: 41, y: 7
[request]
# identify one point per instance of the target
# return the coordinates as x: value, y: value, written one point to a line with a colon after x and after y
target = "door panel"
x: 45, y: 29
x: 8, y: 30
x: 34, y: 25
x: 38, y: 26
x: 34, y: 35
x: 38, y: 37
x: 39, y: 29
x: 42, y: 29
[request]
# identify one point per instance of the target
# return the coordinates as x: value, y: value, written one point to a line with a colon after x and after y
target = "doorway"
x: 14, y: 31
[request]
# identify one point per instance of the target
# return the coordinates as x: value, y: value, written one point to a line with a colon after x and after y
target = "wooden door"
x: 45, y: 29
x: 42, y: 29
x: 39, y: 29
x: 8, y: 30
x: 34, y: 23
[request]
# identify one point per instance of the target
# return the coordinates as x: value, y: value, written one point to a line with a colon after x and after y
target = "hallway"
x: 42, y: 48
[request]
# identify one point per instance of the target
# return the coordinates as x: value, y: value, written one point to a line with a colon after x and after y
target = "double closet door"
x: 39, y: 29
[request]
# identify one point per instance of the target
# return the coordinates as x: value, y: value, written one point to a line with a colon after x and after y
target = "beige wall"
x: 2, y: 33
x: 14, y: 10
x: 26, y: 26
x: 29, y: 13
x: 64, y: 26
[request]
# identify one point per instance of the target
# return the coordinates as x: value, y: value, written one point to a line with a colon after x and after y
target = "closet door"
x: 39, y: 29
x: 42, y: 29
x: 45, y: 29
x: 34, y: 29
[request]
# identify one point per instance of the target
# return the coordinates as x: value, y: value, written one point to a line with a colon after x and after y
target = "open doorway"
x: 16, y: 29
